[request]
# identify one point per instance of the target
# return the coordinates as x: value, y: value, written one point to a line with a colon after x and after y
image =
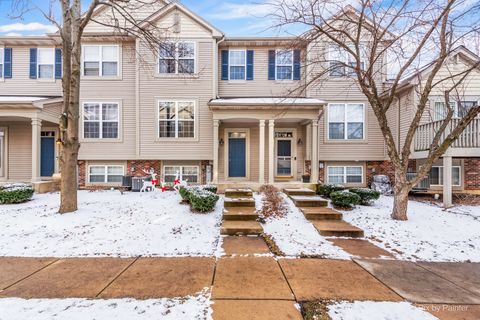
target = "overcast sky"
x: 234, y: 17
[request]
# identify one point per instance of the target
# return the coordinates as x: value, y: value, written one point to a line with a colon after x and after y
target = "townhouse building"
x: 213, y: 108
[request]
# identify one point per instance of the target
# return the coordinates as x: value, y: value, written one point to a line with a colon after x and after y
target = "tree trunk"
x: 400, y: 198
x: 68, y: 185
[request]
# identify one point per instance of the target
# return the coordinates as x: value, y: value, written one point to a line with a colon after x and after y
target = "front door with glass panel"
x: 284, y: 158
x: 237, y: 155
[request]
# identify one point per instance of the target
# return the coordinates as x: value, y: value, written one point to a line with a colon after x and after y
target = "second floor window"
x: 176, y: 58
x: 238, y: 64
x: 343, y: 64
x: 176, y: 119
x: 346, y: 121
x: 284, y: 67
x: 460, y: 109
x: 46, y: 63
x: 100, y: 120
x: 100, y: 60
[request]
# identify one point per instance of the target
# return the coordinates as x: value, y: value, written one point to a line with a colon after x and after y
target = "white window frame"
x: 177, y: 120
x: 346, y: 61
x: 45, y: 64
x: 100, y: 60
x: 2, y: 62
x: 100, y: 121
x: 440, y: 176
x: 292, y: 65
x: 105, y: 172
x: 177, y: 59
x: 345, y: 174
x: 181, y: 172
x: 438, y: 116
x: 230, y: 65
x: 345, y: 121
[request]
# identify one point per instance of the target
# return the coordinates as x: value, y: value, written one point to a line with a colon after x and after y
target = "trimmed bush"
x: 211, y: 188
x: 326, y: 190
x: 367, y: 196
x: 345, y: 199
x: 15, y: 194
x: 200, y: 198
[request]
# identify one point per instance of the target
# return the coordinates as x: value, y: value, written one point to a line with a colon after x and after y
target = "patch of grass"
x: 272, y: 245
x: 315, y: 310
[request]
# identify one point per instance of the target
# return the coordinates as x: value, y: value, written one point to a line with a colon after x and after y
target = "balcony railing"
x: 470, y: 138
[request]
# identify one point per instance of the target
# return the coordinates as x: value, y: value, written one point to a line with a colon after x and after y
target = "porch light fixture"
x: 300, y: 141
x: 221, y: 142
x: 59, y: 142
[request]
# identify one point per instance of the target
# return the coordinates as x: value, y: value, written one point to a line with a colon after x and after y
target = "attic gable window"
x: 342, y: 63
x: 177, y: 58
x: 100, y: 60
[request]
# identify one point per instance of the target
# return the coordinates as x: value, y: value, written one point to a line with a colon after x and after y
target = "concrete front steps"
x: 327, y: 221
x: 239, y: 214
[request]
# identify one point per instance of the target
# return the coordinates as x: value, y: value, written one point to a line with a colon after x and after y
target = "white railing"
x: 470, y: 138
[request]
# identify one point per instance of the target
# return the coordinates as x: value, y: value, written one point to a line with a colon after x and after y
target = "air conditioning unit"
x: 137, y: 183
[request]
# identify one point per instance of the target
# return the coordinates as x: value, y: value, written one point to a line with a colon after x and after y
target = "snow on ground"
x: 295, y: 236
x: 109, y: 224
x: 360, y: 310
x: 197, y: 307
x: 430, y: 234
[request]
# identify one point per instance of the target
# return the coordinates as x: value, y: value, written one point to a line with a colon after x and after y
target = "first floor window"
x: 176, y: 119
x: 346, y: 174
x: 185, y: 173
x: 105, y: 174
x: 100, y: 60
x: 346, y: 121
x: 46, y: 63
x: 436, y: 176
x: 176, y: 58
x: 284, y: 67
x: 238, y: 63
x: 100, y: 120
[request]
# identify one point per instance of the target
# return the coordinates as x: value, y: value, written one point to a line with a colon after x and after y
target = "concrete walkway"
x: 248, y: 287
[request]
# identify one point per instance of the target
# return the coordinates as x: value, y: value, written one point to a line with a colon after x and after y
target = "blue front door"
x: 47, y: 163
x: 237, y: 158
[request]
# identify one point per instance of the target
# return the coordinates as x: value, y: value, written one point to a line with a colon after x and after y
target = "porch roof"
x: 270, y: 102
x: 28, y: 100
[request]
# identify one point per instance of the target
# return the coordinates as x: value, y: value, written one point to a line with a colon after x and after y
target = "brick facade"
x: 136, y: 168
x: 375, y: 168
x: 82, y: 174
x: 472, y: 173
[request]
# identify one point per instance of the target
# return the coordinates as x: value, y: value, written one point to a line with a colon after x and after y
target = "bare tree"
x: 121, y: 19
x: 406, y: 32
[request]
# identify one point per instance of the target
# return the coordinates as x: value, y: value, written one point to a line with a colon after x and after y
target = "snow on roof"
x: 21, y: 99
x: 267, y: 101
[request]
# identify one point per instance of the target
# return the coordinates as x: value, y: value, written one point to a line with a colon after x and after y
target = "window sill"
x: 285, y: 81
x: 237, y: 81
x: 176, y: 140
x: 47, y: 80
x: 99, y: 78
x: 177, y: 75
x: 101, y: 140
x: 330, y: 141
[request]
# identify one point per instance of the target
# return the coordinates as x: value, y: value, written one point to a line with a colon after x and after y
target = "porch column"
x: 447, y: 181
x: 216, y: 124
x: 314, y: 177
x: 36, y: 141
x: 261, y: 153
x: 271, y: 151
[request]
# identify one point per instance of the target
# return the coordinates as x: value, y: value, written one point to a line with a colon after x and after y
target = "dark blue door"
x: 237, y: 158
x: 47, y: 163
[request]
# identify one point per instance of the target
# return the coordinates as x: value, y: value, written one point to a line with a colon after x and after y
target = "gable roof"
x: 174, y: 5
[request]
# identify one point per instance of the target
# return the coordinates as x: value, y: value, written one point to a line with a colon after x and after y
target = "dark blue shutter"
x: 249, y: 64
x: 7, y: 63
x: 224, y: 64
x: 296, y: 65
x: 33, y: 63
x: 271, y: 64
x: 58, y: 63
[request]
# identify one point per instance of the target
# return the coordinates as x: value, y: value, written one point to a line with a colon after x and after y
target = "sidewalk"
x: 247, y: 287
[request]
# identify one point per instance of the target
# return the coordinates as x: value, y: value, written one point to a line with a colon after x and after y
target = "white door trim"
x: 294, y: 150
x: 247, y: 153
x: 4, y: 152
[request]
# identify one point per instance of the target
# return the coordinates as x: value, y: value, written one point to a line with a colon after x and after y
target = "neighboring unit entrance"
x: 285, y: 153
x: 237, y: 155
x: 2, y: 153
x: 47, y: 153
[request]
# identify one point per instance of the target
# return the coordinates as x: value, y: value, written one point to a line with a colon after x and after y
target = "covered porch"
x: 259, y: 141
x: 29, y: 128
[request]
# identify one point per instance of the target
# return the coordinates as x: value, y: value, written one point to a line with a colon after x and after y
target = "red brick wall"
x: 375, y: 168
x: 321, y: 170
x: 472, y: 173
x: 82, y: 175
x: 136, y: 168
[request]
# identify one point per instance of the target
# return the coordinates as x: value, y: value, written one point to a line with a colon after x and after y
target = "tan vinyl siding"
x: 19, y: 151
x: 20, y: 84
x: 123, y: 92
x: 260, y: 86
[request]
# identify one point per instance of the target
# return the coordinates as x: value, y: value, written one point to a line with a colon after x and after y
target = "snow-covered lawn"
x: 360, y: 310
x: 431, y: 233
x: 295, y: 236
x: 109, y: 224
x: 198, y: 307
